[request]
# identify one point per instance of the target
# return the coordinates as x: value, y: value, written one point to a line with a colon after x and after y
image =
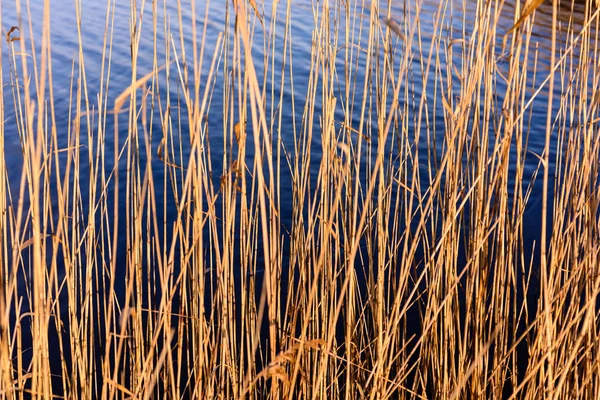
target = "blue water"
x: 65, y: 49
x: 65, y: 46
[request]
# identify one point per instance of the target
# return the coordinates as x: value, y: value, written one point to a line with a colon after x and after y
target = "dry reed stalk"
x: 376, y: 246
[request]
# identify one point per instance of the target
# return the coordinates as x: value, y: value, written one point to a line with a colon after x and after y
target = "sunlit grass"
x: 356, y: 223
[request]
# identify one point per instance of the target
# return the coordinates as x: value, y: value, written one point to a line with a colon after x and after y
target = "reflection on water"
x: 456, y: 27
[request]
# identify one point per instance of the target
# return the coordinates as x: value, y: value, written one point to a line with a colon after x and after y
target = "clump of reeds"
x: 358, y: 225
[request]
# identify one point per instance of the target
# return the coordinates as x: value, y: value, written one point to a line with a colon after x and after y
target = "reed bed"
x: 237, y: 222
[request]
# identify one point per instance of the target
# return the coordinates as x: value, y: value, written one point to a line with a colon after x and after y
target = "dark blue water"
x: 94, y: 26
x: 65, y: 48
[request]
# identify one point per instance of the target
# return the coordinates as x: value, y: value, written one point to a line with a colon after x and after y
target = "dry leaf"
x: 14, y: 38
x: 134, y: 86
x: 255, y: 7
x: 395, y: 27
x: 238, y: 131
x: 159, y: 151
x: 527, y: 11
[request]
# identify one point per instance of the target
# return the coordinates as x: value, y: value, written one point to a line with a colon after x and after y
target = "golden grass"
x: 167, y: 267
